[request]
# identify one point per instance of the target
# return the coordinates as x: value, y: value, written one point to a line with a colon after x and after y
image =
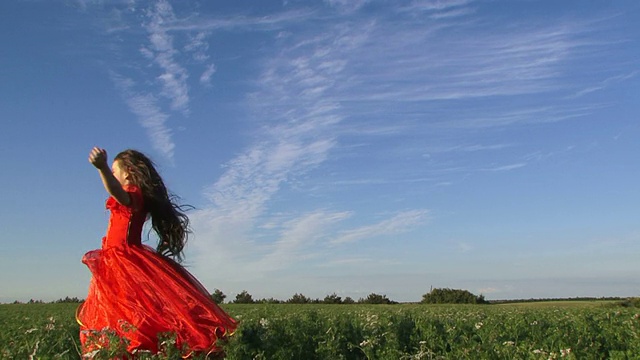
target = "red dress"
x: 138, y: 293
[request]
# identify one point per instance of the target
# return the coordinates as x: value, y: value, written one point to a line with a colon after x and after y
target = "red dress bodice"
x: 126, y: 221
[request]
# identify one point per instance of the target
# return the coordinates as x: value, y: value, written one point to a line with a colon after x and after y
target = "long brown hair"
x: 168, y: 219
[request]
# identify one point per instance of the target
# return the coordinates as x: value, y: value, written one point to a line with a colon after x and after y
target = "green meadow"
x: 537, y: 330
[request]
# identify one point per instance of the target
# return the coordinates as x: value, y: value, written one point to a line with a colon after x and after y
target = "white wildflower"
x: 35, y: 349
x: 91, y: 354
x: 138, y: 351
x: 453, y: 328
x: 565, y: 352
x: 264, y: 323
x: 508, y: 343
x: 479, y: 325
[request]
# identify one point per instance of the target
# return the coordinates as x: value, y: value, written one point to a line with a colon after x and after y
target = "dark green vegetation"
x: 550, y: 330
x: 245, y: 298
x: 452, y: 296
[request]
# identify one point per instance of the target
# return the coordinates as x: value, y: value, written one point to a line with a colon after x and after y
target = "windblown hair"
x: 168, y: 219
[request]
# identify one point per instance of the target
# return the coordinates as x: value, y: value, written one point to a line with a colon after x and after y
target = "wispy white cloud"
x: 506, y: 167
x: 488, y: 118
x: 438, y: 9
x: 198, y: 46
x: 397, y: 224
x: 150, y: 116
x: 297, y: 132
x: 174, y: 76
x: 163, y: 74
x: 466, y: 148
x: 297, y: 239
x: 346, y: 6
x: 293, y: 140
x: 380, y: 181
x: 430, y: 5
x: 452, y: 13
x: 604, y: 84
x: 205, y: 78
x: 243, y: 22
x: 317, y: 86
x: 512, y: 63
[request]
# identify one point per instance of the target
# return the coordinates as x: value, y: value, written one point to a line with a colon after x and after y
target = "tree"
x: 299, y: 299
x: 376, y: 299
x: 269, y: 301
x: 244, y: 298
x: 348, y: 300
x: 452, y: 296
x: 332, y: 299
x: 67, y: 299
x: 218, y: 296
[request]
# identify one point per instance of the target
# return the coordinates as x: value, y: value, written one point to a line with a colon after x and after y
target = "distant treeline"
x: 604, y: 298
x: 72, y: 300
x: 245, y: 298
x: 434, y: 296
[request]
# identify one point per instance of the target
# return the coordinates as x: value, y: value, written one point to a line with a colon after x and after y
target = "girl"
x: 138, y: 292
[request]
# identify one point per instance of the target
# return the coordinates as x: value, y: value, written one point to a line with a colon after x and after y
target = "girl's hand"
x: 98, y: 158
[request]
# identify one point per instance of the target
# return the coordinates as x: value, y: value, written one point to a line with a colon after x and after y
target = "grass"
x: 570, y: 304
x: 545, y: 330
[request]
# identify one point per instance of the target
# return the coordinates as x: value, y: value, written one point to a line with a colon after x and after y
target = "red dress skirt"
x: 140, y: 294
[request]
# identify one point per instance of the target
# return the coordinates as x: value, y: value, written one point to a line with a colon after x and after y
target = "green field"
x: 550, y: 330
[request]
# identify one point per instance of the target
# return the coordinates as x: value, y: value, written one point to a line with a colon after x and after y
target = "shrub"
x: 452, y: 296
x: 244, y: 298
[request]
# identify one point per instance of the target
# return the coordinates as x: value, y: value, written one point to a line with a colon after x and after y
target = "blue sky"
x: 332, y: 146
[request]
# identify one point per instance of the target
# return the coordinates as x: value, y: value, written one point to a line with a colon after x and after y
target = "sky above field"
x: 335, y: 146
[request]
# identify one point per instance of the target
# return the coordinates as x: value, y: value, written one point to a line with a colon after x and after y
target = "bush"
x: 630, y: 302
x: 376, y: 299
x: 332, y: 299
x: 244, y: 298
x: 452, y: 296
x: 348, y: 300
x: 299, y: 299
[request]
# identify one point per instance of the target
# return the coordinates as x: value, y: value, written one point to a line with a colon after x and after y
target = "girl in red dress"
x: 138, y: 292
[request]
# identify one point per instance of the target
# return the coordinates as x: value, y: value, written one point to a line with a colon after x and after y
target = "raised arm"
x: 98, y: 158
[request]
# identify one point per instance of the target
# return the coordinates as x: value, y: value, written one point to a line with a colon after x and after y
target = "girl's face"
x: 120, y: 173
